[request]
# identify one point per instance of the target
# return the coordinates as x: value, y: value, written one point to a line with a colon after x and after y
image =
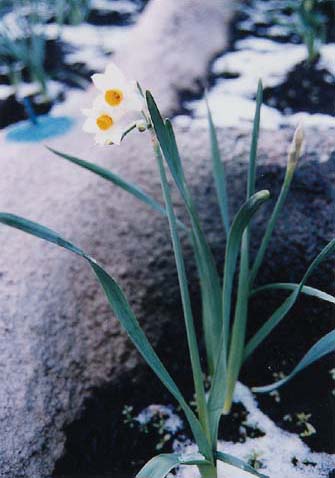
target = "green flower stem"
x: 293, y: 156
x: 236, y: 349
x: 188, y: 316
x: 208, y: 471
x: 127, y: 131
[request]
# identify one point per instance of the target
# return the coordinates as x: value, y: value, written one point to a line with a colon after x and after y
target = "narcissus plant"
x: 224, y: 323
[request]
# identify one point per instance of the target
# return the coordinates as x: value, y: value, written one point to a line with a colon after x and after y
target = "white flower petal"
x: 100, y: 81
x: 123, y: 114
x: 113, y: 135
x: 90, y: 125
x: 135, y: 102
x: 100, y: 106
x: 99, y: 103
x: 114, y: 74
x: 86, y: 111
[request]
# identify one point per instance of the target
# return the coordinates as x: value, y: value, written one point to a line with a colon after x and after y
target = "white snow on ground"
x: 122, y: 6
x: 275, y: 450
x: 172, y: 422
x: 231, y: 99
x: 91, y: 43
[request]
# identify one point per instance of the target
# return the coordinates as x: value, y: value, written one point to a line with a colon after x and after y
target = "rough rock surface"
x: 57, y: 336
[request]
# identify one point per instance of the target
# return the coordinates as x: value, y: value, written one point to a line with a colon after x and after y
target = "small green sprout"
x: 275, y: 395
x: 128, y: 414
x: 302, y: 419
x: 254, y: 460
x: 310, y: 24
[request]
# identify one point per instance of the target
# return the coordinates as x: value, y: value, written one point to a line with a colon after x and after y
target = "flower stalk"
x: 294, y: 154
x: 186, y: 302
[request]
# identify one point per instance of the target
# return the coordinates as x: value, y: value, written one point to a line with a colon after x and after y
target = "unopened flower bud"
x: 141, y: 125
x: 296, y: 147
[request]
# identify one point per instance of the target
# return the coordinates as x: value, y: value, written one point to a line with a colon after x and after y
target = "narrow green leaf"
x: 286, y: 306
x: 323, y: 347
x: 218, y: 172
x: 185, y: 297
x: 174, y: 148
x: 254, y: 142
x: 218, y: 388
x: 241, y: 221
x: 123, y: 313
x: 237, y: 340
x: 161, y: 465
x: 116, y: 180
x: 307, y: 290
x: 167, y: 143
x: 241, y: 309
x: 231, y: 460
x: 293, y: 156
x: 209, y: 279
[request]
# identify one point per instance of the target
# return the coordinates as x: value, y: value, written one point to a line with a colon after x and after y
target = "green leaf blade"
x: 218, y: 389
x: 167, y: 143
x: 236, y: 462
x: 209, y: 279
x: 324, y: 346
x: 288, y: 303
x: 117, y: 180
x: 185, y: 297
x: 123, y: 313
x: 159, y: 466
x: 242, y: 302
x: 307, y: 290
x: 218, y: 171
x: 254, y: 142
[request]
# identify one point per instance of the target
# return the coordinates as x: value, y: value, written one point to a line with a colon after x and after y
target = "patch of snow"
x: 231, y: 100
x: 258, y: 58
x: 172, y: 422
x: 91, y: 44
x: 5, y: 91
x: 122, y: 6
x: 234, y: 110
x: 276, y: 450
x: 75, y: 100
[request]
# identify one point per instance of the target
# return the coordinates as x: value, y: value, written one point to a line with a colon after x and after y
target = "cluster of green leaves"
x: 22, y: 42
x: 73, y: 12
x: 311, y: 26
x: 224, y: 330
x: 308, y: 19
x: 309, y: 22
x: 22, y: 37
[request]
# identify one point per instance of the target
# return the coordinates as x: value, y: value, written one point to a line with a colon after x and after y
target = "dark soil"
x: 114, y: 17
x: 12, y: 110
x: 277, y: 19
x: 308, y: 87
x: 76, y: 76
x: 100, y: 442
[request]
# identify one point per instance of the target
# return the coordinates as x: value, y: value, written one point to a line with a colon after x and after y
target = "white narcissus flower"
x: 118, y: 92
x: 106, y: 123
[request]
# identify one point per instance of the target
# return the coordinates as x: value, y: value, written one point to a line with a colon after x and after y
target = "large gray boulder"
x: 58, y: 338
